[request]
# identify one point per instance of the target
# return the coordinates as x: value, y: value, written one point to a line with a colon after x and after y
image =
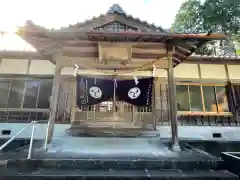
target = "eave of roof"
x: 206, y: 57
x: 157, y: 35
x: 42, y: 32
x: 36, y: 55
x: 186, y: 43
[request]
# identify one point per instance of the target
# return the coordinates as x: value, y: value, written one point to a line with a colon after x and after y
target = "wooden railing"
x: 208, y: 120
x: 20, y: 115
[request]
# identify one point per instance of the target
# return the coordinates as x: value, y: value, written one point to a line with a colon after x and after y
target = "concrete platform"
x: 114, y: 158
x: 109, y: 147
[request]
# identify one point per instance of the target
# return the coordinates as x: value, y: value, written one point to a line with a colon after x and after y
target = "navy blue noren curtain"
x: 92, y: 91
x: 236, y: 91
x: 138, y: 95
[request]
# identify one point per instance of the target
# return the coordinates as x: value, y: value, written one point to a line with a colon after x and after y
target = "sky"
x: 58, y: 13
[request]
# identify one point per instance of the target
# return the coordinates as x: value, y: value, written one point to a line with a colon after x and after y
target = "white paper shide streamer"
x: 135, y: 80
x: 154, y: 71
x: 75, y: 70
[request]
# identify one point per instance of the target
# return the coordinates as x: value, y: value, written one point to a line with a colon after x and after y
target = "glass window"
x: 189, y: 98
x: 221, y: 97
x: 195, y: 98
x: 4, y: 90
x: 31, y: 94
x: 16, y: 94
x: 209, y: 98
x: 182, y: 98
x: 45, y: 93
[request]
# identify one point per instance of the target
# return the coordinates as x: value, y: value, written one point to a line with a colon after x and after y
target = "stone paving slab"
x: 115, y: 174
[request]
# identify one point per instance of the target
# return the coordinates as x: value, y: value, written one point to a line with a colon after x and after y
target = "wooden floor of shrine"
x: 106, y: 128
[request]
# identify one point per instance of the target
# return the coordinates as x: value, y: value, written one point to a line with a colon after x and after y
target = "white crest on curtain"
x: 134, y: 93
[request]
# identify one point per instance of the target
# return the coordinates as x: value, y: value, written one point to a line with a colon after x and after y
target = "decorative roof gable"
x: 116, y: 14
x: 113, y: 15
x: 115, y: 8
x: 116, y: 27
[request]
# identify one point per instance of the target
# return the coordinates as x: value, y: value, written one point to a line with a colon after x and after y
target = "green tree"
x: 189, y: 18
x: 216, y: 15
x: 222, y: 15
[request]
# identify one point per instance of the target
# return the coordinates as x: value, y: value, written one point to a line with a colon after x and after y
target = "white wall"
x: 213, y: 71
x: 41, y: 67
x: 25, y: 66
x: 14, y: 66
x: 189, y: 71
x: 185, y: 132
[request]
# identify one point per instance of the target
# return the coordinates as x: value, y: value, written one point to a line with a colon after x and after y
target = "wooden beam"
x: 120, y: 73
x: 89, y: 43
x: 91, y: 63
x: 184, y: 44
x: 183, y: 49
x: 180, y: 55
x: 95, y: 54
x: 176, y: 59
x: 23, y: 55
x: 148, y: 51
x: 82, y: 49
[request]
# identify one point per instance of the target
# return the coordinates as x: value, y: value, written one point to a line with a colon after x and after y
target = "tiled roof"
x: 117, y: 9
x: 114, y: 9
x: 195, y: 56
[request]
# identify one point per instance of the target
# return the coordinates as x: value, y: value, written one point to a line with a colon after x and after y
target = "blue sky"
x: 57, y: 13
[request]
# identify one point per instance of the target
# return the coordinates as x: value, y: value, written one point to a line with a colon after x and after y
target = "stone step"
x: 117, y: 164
x: 34, y: 174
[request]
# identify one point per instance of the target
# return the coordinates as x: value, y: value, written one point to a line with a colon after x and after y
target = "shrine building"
x: 116, y: 52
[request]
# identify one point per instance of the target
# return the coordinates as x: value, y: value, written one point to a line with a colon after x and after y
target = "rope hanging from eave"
x: 143, y: 67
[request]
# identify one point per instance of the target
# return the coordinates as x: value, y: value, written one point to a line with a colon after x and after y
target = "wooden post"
x: 53, y: 105
x: 173, y: 105
x: 74, y: 94
x: 154, y: 119
x: 115, y: 115
x: 114, y: 96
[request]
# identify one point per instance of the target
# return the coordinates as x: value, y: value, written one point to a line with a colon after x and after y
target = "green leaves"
x: 216, y: 15
x: 188, y: 18
x: 223, y: 14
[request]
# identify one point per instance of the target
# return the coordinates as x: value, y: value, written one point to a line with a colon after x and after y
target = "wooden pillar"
x: 74, y: 103
x: 161, y: 93
x: 53, y: 104
x: 114, y: 108
x: 154, y: 118
x: 173, y: 105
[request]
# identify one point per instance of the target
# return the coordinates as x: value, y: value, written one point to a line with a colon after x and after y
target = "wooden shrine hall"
x: 114, y: 47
